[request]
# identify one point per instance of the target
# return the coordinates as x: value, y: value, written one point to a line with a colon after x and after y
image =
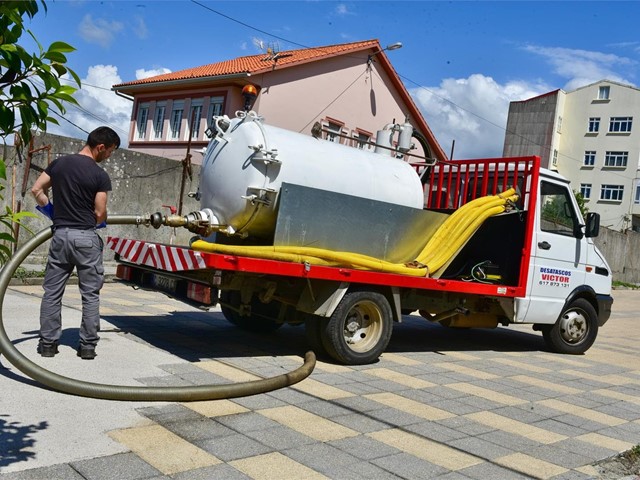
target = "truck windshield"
x: 557, y: 212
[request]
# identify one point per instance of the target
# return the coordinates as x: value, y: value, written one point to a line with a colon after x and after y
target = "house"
x: 587, y: 135
x: 351, y: 89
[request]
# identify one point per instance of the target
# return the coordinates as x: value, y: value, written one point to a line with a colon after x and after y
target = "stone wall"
x: 141, y: 183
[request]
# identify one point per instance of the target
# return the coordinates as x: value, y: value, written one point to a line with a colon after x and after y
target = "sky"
x: 462, y: 62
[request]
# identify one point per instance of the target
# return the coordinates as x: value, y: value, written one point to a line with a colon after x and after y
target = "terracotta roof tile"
x: 257, y: 63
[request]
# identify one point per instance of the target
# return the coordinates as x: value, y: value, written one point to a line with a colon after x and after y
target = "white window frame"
x: 611, y: 193
x: 194, y: 127
x: 333, y: 125
x: 637, y: 197
x: 175, y: 121
x: 585, y: 190
x: 594, y: 125
x: 362, y: 139
x: 604, y: 92
x: 559, y: 126
x: 616, y: 159
x: 158, y: 120
x: 216, y: 108
x: 554, y: 160
x: 141, y: 121
x: 620, y: 124
x: 589, y: 158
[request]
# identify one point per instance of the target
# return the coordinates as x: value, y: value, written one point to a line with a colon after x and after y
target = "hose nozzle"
x: 202, y: 222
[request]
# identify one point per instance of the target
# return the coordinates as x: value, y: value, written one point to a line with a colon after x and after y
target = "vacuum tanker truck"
x: 296, y: 229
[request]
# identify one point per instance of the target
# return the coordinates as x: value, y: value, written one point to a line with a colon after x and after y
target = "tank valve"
x: 202, y: 222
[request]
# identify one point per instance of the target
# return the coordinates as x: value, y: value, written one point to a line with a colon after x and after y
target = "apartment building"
x: 588, y: 136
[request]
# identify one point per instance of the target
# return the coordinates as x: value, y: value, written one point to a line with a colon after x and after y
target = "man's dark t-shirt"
x: 75, y: 181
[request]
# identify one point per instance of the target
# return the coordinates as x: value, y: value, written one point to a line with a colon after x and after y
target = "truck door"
x: 559, y: 252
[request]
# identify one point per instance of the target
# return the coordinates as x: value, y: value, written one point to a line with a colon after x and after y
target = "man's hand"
x: 47, y: 210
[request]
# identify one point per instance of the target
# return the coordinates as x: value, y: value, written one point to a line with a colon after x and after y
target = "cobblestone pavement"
x: 441, y: 403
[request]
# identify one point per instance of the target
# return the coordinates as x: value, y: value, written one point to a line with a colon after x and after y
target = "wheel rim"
x: 363, y: 326
x: 574, y: 327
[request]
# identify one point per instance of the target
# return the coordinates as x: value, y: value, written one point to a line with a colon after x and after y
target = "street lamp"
x: 393, y: 46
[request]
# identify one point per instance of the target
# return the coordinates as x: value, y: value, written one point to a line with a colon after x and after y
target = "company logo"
x: 553, y: 277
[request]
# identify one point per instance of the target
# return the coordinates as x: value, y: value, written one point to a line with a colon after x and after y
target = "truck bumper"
x: 604, y: 308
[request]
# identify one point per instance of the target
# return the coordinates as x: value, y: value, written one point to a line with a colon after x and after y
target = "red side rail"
x: 449, y: 186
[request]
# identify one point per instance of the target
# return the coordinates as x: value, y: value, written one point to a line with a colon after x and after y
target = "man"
x: 79, y: 186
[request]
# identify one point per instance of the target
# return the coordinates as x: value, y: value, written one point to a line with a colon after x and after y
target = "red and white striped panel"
x: 162, y: 257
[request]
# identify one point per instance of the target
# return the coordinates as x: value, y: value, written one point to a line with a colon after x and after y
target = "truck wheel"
x: 575, y: 330
x: 256, y: 322
x: 313, y: 325
x: 359, y: 329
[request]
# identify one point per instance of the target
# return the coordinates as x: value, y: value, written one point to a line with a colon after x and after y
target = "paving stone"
x: 360, y: 388
x: 166, y: 381
x: 466, y: 426
x: 394, y: 417
x: 509, y: 440
x: 169, y: 413
x: 200, y: 429
x: 233, y: 447
x: 122, y: 466
x: 362, y: 423
x: 364, y: 447
x: 408, y: 466
x: 359, y: 404
x: 523, y: 413
x: 557, y: 455
x: 585, y: 449
x: 63, y: 471
x: 490, y: 471
x: 216, y: 472
x: 360, y: 471
x: 555, y: 426
x: 321, y: 457
x: 258, y: 402
x: 244, y: 422
x: 326, y: 409
x: 575, y: 475
x: 624, y: 410
x: 292, y: 397
x: 480, y: 448
x: 435, y: 431
x: 456, y: 406
x: 280, y: 438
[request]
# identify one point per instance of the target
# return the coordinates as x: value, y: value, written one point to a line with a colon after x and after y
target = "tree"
x: 30, y: 84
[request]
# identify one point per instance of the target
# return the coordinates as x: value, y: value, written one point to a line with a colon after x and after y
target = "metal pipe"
x: 125, y: 392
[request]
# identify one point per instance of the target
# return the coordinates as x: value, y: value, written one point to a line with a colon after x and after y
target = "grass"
x: 632, y: 286
x: 23, y: 273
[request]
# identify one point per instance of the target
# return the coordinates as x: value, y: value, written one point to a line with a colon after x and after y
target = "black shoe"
x: 87, y: 353
x: 47, y: 349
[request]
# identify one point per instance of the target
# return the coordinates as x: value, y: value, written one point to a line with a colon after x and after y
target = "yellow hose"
x: 440, y: 248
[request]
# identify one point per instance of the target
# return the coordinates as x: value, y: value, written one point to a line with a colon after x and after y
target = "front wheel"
x: 359, y: 329
x: 575, y: 330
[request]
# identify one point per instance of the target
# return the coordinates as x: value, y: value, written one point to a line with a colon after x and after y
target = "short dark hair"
x: 105, y: 136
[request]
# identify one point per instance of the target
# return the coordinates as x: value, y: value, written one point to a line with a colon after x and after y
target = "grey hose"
x: 123, y: 392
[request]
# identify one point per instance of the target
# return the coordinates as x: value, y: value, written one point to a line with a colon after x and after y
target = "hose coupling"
x: 202, y: 222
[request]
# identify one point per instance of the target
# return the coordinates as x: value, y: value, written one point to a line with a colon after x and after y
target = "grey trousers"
x: 71, y: 248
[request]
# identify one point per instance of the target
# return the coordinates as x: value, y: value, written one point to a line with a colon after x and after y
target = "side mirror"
x: 592, y: 228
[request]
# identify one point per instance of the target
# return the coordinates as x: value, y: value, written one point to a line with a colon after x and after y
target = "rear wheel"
x: 313, y: 326
x: 575, y: 330
x: 263, y: 316
x: 359, y: 329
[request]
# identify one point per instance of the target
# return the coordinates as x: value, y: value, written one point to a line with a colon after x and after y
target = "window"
x: 335, y: 129
x: 554, y: 161
x: 141, y: 124
x: 616, y: 159
x: 361, y: 140
x: 589, y: 158
x: 637, y: 198
x: 594, y: 124
x: 557, y: 214
x: 603, y: 93
x: 585, y: 190
x: 158, y: 121
x: 176, y: 120
x: 611, y: 192
x: 559, y: 127
x: 620, y: 124
x: 216, y: 108
x: 195, y: 115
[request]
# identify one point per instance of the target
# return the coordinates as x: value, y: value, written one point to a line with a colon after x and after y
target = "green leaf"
x: 61, y: 47
x: 6, y: 237
x: 3, y: 170
x: 55, y: 57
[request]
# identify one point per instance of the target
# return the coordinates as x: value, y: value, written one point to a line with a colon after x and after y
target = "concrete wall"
x: 141, y: 183
x: 620, y: 250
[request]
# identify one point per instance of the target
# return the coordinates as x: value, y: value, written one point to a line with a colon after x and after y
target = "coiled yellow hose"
x: 439, y: 249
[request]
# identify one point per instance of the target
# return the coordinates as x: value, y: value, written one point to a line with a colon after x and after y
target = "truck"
x: 296, y: 229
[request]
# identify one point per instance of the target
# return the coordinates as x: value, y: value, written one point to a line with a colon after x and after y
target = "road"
x: 441, y: 403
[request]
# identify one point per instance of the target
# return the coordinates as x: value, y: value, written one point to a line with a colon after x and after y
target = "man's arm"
x: 100, y: 203
x: 40, y: 189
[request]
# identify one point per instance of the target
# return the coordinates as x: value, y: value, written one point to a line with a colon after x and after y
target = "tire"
x: 313, y: 325
x: 263, y: 317
x: 359, y: 329
x: 575, y: 330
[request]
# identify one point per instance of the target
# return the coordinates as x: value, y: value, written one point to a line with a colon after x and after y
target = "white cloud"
x: 472, y: 111
x: 140, y: 27
x: 99, y: 31
x: 98, y: 106
x: 342, y: 10
x: 582, y: 67
x: 141, y: 73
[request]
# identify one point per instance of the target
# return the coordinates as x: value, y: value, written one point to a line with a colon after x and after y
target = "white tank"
x: 245, y: 165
